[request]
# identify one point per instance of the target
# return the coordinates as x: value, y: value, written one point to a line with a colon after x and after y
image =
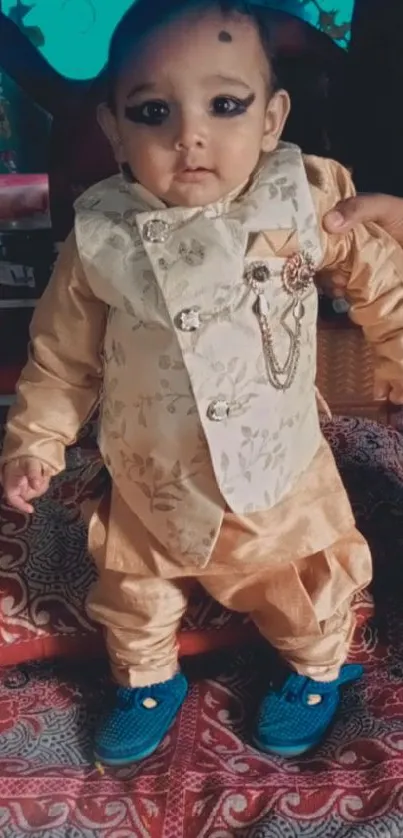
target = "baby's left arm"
x: 375, y: 293
x: 373, y: 265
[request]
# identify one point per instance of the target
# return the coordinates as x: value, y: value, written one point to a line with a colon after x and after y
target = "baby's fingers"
x: 18, y: 502
x: 391, y: 390
x: 382, y: 390
x: 37, y: 478
x: 333, y: 284
x: 396, y: 395
x: 16, y: 490
x: 24, y: 480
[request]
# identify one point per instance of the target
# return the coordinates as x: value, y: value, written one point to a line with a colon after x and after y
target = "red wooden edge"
x: 190, y: 643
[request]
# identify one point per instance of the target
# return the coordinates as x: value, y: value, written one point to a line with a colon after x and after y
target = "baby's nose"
x: 190, y: 134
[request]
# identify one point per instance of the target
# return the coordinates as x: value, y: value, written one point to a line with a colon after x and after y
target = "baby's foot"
x: 139, y: 721
x: 294, y: 717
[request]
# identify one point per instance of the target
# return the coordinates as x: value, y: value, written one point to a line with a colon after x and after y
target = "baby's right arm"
x: 60, y: 384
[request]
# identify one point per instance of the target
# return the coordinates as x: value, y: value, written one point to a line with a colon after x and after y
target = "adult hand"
x: 385, y: 210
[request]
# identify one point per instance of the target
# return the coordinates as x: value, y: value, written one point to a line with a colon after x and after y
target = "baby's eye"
x: 227, y: 106
x: 148, y: 113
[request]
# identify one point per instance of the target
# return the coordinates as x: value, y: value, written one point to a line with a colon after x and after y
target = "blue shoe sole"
x: 129, y: 759
x: 139, y: 755
x: 286, y: 750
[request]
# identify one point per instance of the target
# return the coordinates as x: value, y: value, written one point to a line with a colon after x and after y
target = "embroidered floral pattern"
x: 192, y: 254
x: 173, y: 463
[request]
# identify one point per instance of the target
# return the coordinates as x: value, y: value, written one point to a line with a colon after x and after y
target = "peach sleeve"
x: 373, y: 265
x: 60, y: 384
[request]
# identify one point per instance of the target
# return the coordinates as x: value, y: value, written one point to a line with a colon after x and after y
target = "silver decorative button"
x: 188, y: 320
x: 218, y: 410
x: 257, y: 272
x: 156, y: 231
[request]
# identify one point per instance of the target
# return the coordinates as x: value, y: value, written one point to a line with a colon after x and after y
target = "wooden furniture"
x: 346, y: 372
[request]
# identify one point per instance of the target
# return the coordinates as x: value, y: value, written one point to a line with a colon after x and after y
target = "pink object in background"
x: 23, y: 196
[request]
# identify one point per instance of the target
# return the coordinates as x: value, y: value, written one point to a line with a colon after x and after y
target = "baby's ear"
x: 108, y: 123
x: 277, y: 112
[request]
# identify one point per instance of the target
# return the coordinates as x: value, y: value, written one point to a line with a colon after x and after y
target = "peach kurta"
x: 303, y: 509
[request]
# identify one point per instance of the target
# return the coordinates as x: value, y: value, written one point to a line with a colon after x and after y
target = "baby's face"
x: 194, y: 109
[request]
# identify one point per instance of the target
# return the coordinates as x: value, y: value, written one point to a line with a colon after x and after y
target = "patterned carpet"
x: 206, y: 781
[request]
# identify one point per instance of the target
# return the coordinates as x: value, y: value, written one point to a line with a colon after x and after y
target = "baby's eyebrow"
x: 145, y: 87
x: 150, y: 87
x: 234, y: 81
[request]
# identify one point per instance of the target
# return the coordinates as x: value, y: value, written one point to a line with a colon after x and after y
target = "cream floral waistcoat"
x: 210, y: 348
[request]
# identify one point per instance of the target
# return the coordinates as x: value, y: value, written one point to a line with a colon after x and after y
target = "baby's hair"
x: 145, y: 15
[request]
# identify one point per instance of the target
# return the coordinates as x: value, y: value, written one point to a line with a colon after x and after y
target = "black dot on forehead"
x: 225, y: 37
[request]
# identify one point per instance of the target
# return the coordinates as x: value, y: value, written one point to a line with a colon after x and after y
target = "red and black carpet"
x: 206, y: 781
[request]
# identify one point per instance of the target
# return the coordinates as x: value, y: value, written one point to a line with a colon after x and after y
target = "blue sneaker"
x: 139, y: 721
x: 294, y: 717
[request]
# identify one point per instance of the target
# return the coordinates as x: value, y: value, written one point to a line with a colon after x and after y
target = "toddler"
x: 184, y: 304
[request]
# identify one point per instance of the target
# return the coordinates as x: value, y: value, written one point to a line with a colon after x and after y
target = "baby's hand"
x: 23, y: 480
x: 332, y: 283
x: 392, y: 390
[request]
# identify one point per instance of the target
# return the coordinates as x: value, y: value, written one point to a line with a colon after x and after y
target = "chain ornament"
x: 297, y: 276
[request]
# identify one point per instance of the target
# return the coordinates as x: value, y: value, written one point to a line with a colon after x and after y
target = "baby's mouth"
x: 193, y: 174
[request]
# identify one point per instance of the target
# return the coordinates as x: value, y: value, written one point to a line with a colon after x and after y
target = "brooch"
x: 297, y: 275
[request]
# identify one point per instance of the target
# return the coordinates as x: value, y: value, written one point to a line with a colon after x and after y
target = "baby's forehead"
x: 211, y: 35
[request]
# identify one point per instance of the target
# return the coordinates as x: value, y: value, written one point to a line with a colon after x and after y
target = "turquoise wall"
x: 73, y: 34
